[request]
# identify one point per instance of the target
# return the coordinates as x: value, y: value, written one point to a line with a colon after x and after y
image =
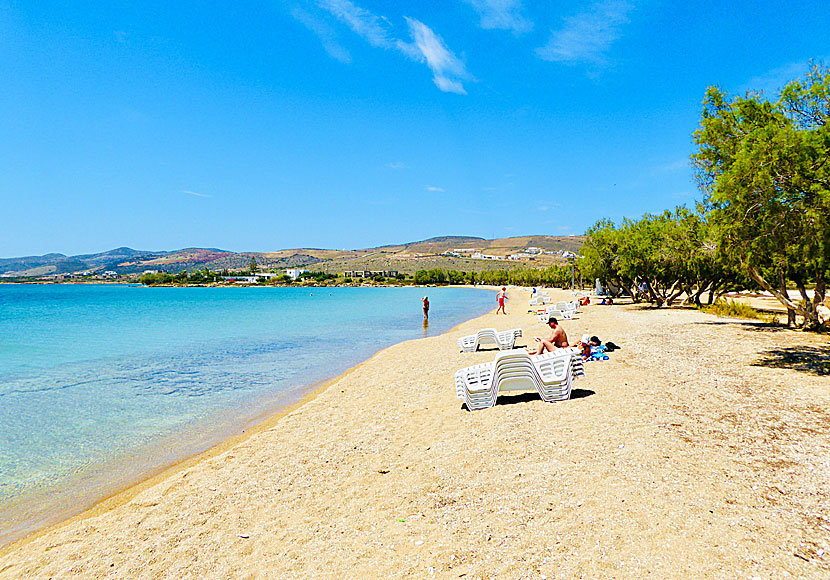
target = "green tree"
x: 764, y: 168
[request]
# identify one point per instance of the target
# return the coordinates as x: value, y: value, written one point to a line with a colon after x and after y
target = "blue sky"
x: 346, y: 124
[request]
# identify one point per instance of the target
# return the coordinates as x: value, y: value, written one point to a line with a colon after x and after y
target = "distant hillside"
x: 407, y: 257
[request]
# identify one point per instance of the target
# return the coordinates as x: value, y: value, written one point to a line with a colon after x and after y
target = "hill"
x: 407, y: 257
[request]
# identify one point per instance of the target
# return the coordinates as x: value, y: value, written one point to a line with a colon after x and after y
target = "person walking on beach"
x: 425, y: 300
x: 558, y: 339
x: 501, y: 297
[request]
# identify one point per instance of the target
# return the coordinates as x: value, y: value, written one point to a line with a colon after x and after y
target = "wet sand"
x: 700, y: 450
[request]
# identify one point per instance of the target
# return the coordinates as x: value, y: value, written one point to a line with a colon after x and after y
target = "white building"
x: 294, y: 273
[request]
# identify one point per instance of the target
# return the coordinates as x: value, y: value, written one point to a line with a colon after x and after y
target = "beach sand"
x: 700, y: 450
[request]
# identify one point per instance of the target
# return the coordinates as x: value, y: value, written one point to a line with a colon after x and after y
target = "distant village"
x: 529, y: 253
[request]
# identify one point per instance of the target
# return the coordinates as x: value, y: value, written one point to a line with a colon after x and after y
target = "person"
x: 584, y: 301
x: 425, y: 300
x: 501, y: 297
x: 558, y: 339
x: 584, y: 345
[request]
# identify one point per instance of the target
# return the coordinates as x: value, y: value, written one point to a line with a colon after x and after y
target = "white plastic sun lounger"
x: 505, y: 340
x: 549, y: 374
x: 553, y: 311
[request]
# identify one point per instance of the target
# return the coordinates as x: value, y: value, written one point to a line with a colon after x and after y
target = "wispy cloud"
x: 426, y: 46
x: 433, y: 188
x: 501, y: 15
x: 196, y: 193
x: 397, y: 165
x: 771, y: 82
x: 671, y: 167
x: 447, y: 70
x: 587, y: 37
x: 326, y: 34
x: 373, y: 28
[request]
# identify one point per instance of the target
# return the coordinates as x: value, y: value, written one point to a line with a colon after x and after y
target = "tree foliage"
x: 764, y: 221
x: 764, y: 169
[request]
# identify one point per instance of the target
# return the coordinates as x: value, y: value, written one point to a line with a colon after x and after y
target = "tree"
x: 764, y: 169
x: 252, y: 266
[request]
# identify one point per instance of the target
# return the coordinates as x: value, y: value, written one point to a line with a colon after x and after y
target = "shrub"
x: 733, y: 309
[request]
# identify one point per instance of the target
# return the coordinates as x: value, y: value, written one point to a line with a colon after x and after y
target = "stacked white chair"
x: 555, y: 372
x: 534, y: 301
x: 550, y: 374
x: 549, y: 311
x: 475, y: 386
x: 505, y: 340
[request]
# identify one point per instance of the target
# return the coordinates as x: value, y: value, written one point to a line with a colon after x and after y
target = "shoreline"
x: 124, y: 492
x: 686, y: 460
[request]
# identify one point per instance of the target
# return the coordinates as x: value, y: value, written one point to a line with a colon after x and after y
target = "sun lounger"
x: 505, y: 340
x: 549, y: 311
x: 550, y: 374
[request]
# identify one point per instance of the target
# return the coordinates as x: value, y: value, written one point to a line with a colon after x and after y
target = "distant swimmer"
x: 425, y: 300
x: 502, y: 298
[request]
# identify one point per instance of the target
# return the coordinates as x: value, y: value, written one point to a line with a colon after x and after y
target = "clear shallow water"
x: 100, y: 384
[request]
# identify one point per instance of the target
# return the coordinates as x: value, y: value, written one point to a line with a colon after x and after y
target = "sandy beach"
x: 701, y: 449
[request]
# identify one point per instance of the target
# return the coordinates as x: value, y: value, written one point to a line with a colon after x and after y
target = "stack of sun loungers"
x: 550, y: 374
x: 561, y: 310
x: 504, y: 340
x: 539, y: 300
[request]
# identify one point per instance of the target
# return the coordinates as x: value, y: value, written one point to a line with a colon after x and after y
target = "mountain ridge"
x: 403, y: 257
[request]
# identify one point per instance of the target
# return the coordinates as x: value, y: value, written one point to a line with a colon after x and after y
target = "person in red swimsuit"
x: 501, y: 296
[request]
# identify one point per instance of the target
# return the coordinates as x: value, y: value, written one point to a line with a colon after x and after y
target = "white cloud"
x: 448, y: 71
x: 195, y: 193
x: 501, y: 15
x: 433, y: 188
x: 677, y: 165
x: 371, y: 27
x: 397, y: 165
x: 771, y: 82
x: 426, y: 46
x: 325, y: 33
x: 587, y: 37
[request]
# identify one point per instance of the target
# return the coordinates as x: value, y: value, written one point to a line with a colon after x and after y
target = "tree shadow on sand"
x: 751, y: 325
x: 814, y: 360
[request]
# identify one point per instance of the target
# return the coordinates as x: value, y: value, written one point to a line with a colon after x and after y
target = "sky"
x: 264, y: 125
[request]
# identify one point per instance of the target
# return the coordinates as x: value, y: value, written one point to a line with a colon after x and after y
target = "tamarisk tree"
x: 658, y: 258
x: 764, y: 167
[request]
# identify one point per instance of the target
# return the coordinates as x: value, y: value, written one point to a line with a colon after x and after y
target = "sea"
x: 102, y: 385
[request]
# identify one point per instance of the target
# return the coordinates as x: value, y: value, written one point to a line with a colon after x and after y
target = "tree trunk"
x: 782, y: 297
x: 821, y: 289
x: 653, y: 295
x: 712, y: 294
x: 674, y: 292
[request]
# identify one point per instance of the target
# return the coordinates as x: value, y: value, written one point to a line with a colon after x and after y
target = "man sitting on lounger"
x: 557, y: 340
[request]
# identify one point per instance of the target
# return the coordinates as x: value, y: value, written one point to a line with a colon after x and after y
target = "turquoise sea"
x: 103, y: 384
